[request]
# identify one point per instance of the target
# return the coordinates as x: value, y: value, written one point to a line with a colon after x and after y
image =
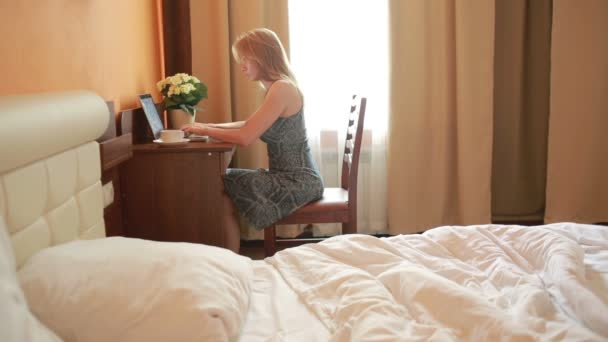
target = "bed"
x: 62, y: 279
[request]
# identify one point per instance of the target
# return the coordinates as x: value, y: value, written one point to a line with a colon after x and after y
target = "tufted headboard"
x: 50, y: 188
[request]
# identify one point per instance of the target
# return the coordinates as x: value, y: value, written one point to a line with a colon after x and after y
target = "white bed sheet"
x: 275, y: 311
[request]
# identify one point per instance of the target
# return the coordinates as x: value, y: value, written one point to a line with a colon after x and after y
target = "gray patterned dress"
x: 293, y: 179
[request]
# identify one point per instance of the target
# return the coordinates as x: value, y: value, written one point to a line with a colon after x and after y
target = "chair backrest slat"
x: 348, y: 158
x: 349, y: 145
x: 350, y: 132
x: 352, y: 146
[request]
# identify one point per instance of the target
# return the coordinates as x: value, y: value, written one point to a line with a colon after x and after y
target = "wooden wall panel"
x: 110, y: 47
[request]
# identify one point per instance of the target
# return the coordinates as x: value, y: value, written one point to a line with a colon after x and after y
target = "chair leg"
x: 349, y: 227
x: 270, y: 243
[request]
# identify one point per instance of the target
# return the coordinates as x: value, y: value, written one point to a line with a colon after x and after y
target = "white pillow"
x: 123, y: 289
x: 16, y: 321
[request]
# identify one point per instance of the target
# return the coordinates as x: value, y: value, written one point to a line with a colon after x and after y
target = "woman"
x: 265, y: 196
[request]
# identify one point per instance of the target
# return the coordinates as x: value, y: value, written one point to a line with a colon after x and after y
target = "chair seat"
x: 332, y: 207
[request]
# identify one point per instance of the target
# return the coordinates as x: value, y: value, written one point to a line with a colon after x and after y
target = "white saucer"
x: 172, y: 143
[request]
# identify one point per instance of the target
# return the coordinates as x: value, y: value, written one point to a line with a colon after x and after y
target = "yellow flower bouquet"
x: 182, y: 91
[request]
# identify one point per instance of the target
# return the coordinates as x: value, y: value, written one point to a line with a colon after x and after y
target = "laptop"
x: 156, y: 124
x: 149, y: 107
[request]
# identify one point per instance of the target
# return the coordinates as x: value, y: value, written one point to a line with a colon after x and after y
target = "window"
x: 339, y: 48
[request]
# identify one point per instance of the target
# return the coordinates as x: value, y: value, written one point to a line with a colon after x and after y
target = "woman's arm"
x: 199, y: 126
x: 275, y: 103
x: 236, y: 124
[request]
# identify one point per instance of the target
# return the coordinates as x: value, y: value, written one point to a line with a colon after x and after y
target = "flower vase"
x: 178, y: 118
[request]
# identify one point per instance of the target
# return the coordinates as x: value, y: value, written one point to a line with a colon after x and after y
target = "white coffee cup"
x: 171, y: 135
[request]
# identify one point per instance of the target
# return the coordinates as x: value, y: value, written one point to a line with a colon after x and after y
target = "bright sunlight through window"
x: 340, y: 48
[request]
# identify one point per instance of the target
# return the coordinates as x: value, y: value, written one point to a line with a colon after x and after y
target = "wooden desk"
x: 175, y: 193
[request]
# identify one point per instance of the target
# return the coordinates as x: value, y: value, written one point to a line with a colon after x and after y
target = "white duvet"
x: 479, y: 283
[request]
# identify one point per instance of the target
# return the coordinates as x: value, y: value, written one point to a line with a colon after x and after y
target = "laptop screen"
x: 147, y: 103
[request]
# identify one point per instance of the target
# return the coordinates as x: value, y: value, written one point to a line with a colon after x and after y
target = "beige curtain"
x: 521, y: 109
x: 577, y: 169
x: 215, y: 24
x: 440, y: 126
x: 545, y: 153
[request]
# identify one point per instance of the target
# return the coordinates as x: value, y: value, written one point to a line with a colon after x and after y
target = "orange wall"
x: 111, y: 47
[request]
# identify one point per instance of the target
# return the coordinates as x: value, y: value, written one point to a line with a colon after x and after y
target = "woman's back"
x: 287, y: 142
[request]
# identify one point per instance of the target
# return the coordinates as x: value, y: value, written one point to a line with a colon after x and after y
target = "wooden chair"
x: 338, y: 205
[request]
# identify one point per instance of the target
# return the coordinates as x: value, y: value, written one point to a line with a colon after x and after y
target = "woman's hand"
x: 195, y: 128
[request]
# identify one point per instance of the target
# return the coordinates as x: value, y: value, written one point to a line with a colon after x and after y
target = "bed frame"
x: 50, y: 170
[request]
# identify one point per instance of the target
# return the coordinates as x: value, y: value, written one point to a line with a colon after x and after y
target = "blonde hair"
x: 264, y: 47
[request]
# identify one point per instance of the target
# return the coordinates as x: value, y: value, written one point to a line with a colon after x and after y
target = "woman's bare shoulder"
x: 279, y: 93
x: 284, y: 87
x: 286, y: 93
